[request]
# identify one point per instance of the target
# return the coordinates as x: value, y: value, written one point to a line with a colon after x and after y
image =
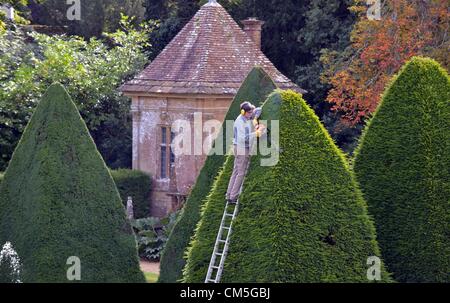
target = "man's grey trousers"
x: 241, y: 162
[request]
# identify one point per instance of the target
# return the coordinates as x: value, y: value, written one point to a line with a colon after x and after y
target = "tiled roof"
x: 210, y: 55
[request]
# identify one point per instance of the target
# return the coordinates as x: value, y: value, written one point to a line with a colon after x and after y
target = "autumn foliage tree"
x: 380, y: 47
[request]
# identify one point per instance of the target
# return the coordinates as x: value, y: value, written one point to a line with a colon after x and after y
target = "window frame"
x: 166, y: 157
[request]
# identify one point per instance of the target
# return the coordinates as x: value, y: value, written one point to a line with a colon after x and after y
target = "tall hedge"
x: 302, y: 220
x: 135, y: 184
x: 403, y: 166
x: 256, y: 87
x: 59, y: 200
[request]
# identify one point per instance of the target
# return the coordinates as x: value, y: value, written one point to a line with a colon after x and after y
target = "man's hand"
x: 261, y: 127
x: 260, y: 130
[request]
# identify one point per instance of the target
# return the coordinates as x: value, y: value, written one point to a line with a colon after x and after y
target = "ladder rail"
x: 212, y: 263
x: 227, y: 245
x: 216, y: 246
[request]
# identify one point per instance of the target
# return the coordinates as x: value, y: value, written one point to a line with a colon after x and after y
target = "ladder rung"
x: 224, y: 252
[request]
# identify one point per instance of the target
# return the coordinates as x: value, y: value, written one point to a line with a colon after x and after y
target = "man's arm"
x: 251, y: 136
x: 243, y: 133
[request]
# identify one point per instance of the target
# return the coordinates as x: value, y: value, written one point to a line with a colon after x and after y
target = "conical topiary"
x: 256, y: 87
x: 58, y: 201
x: 302, y: 220
x: 403, y: 166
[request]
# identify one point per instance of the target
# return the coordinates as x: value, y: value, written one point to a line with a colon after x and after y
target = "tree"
x: 20, y: 12
x: 97, y: 16
x: 255, y: 89
x: 172, y: 16
x: 92, y: 72
x: 403, y: 166
x: 115, y: 8
x: 327, y: 30
x: 70, y: 203
x: 379, y: 48
x: 301, y: 220
x: 156, y: 9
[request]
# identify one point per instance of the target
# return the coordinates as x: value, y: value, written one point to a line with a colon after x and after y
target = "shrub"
x: 302, y: 220
x: 135, y: 184
x: 255, y: 89
x: 152, y: 235
x: 1, y: 178
x: 403, y: 166
x: 59, y: 200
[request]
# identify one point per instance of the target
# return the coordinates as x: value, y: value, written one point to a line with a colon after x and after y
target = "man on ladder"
x: 245, y: 133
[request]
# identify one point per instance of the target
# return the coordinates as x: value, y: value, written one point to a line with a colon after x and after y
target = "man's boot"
x: 232, y: 201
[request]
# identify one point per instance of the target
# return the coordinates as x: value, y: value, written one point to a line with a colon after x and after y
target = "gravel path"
x: 147, y: 266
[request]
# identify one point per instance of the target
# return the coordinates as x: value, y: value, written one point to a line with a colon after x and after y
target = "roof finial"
x: 212, y: 3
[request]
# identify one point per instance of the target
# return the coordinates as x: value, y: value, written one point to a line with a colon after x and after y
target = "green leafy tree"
x: 327, y: 29
x: 92, y: 72
x: 96, y: 16
x: 70, y: 203
x: 171, y: 16
x: 302, y: 220
x: 20, y: 13
x: 403, y: 166
x: 256, y: 87
x: 115, y: 8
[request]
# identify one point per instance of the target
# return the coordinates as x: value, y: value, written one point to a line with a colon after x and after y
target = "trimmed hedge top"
x: 302, y: 220
x: 403, y: 166
x: 58, y: 200
x: 256, y: 87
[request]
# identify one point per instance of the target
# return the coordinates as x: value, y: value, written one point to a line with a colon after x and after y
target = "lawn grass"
x: 151, y: 277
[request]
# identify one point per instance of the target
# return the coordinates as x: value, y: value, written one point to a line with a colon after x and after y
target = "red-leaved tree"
x: 380, y: 47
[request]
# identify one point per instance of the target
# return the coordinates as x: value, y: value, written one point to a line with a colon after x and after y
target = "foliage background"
x: 92, y: 72
x: 137, y: 185
x: 328, y: 47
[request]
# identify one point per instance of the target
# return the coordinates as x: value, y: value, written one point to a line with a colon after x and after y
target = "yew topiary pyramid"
x: 58, y: 200
x: 403, y: 166
x: 302, y: 220
x: 256, y: 87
